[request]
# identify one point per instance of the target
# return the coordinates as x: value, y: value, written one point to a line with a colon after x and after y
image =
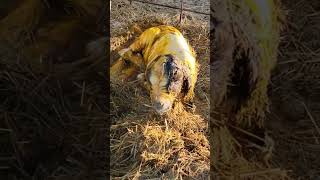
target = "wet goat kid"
x: 168, y: 65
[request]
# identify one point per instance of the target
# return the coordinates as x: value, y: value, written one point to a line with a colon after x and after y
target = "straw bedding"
x: 53, y: 107
x: 176, y: 146
x: 53, y: 101
x: 144, y: 145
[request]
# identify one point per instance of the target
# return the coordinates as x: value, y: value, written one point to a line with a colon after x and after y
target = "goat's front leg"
x: 134, y: 58
x: 143, y: 81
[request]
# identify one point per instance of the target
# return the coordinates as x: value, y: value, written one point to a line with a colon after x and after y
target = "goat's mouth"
x: 162, y: 108
x: 162, y: 112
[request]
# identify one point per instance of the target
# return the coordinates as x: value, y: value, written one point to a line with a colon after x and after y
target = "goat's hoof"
x: 141, y: 77
x: 123, y: 51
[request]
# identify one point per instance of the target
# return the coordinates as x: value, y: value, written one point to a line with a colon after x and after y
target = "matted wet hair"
x: 178, y: 75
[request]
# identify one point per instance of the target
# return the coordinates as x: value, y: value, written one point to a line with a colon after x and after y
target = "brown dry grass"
x: 293, y: 120
x: 144, y: 145
x: 295, y: 112
x: 52, y: 123
x: 152, y: 146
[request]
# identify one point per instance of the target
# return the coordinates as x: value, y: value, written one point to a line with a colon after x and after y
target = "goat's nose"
x: 158, y: 105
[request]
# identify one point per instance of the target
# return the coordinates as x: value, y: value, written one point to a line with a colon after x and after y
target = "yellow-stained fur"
x: 148, y: 52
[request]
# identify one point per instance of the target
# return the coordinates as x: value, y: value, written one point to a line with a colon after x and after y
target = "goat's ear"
x: 187, y: 83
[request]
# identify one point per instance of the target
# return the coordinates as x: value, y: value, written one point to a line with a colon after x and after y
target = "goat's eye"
x: 164, y: 89
x: 176, y: 77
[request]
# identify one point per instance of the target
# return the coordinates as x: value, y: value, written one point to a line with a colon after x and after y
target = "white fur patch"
x: 180, y: 45
x: 153, y: 79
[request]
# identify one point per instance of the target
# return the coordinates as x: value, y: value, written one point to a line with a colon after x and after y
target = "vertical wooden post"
x: 181, y: 9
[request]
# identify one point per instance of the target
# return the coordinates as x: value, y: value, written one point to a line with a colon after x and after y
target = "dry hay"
x: 240, y: 154
x: 170, y: 147
x: 293, y: 120
x: 47, y: 29
x: 298, y: 66
x: 229, y: 160
x: 175, y: 145
x: 144, y: 145
x: 53, y: 122
x: 295, y: 112
x: 245, y: 52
